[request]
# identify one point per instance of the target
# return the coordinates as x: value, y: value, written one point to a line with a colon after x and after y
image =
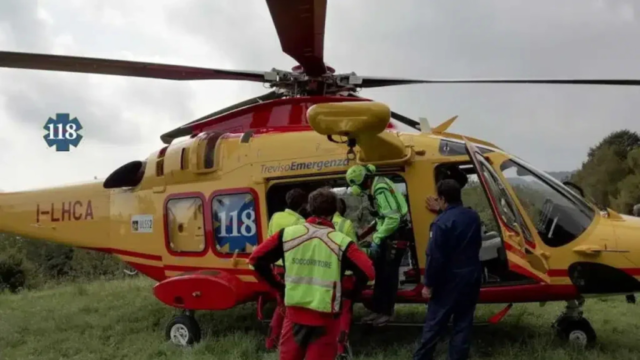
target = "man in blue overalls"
x: 452, y: 275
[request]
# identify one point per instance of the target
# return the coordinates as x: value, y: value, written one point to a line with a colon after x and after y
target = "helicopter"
x: 190, y: 214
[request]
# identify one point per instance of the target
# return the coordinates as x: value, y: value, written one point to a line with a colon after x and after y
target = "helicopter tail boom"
x: 75, y: 215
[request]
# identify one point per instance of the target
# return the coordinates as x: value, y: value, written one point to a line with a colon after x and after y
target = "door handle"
x: 596, y: 250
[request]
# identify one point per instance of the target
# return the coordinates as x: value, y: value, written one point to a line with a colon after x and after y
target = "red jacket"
x: 271, y: 251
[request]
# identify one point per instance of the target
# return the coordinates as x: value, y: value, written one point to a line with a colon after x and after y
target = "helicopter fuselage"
x: 191, y: 213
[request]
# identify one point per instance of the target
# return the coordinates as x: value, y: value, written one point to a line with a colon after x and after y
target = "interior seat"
x: 491, y: 244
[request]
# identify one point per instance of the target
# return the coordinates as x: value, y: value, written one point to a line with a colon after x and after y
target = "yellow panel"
x: 349, y: 118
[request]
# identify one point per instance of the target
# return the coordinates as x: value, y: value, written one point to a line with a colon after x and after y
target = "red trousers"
x: 345, y: 325
x: 275, y: 328
x: 306, y: 342
x: 344, y: 321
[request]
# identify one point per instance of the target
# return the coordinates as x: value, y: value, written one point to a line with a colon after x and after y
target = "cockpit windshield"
x: 589, y: 208
x: 559, y: 215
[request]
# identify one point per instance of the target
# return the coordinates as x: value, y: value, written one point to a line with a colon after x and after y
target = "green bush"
x: 14, y: 272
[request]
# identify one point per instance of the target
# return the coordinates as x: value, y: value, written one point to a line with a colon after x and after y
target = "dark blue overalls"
x: 453, y: 272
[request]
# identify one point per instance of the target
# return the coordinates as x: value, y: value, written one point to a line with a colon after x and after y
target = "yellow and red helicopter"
x: 190, y: 214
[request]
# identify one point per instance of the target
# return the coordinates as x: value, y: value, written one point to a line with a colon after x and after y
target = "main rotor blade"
x: 372, y: 82
x: 120, y: 67
x: 187, y: 128
x: 300, y: 27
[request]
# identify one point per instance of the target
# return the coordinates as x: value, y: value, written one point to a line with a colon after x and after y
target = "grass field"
x: 122, y: 320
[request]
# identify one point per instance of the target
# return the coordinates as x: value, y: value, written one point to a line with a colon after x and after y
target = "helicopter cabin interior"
x: 357, y: 209
x: 493, y: 254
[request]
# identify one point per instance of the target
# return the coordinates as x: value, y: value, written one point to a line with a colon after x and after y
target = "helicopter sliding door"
x: 518, y: 240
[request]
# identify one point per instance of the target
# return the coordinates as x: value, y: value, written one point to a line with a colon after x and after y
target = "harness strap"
x: 313, y: 233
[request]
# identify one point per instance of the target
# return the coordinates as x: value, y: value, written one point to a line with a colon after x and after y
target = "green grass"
x: 122, y: 320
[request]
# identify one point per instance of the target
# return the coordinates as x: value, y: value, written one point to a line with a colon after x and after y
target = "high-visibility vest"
x: 344, y: 225
x: 281, y: 220
x: 312, y: 257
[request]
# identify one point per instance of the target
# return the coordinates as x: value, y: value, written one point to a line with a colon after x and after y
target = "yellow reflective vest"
x: 312, y: 257
x: 344, y: 226
x: 281, y: 220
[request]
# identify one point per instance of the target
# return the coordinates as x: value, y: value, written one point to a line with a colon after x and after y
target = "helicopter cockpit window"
x: 185, y: 225
x: 557, y: 217
x: 234, y: 223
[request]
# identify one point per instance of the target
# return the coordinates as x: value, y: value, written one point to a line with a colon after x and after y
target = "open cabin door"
x: 518, y: 241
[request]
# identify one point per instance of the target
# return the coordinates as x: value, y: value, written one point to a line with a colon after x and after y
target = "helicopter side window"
x: 234, y: 222
x: 185, y: 225
x: 558, y: 218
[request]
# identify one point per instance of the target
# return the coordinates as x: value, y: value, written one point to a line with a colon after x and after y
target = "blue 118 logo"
x: 62, y: 132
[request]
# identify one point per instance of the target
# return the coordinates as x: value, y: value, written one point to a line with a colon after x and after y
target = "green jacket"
x: 390, y: 205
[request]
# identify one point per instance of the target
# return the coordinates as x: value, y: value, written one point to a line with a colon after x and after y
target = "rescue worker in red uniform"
x: 315, y: 260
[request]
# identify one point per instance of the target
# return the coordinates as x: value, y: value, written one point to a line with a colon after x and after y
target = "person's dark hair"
x: 296, y: 199
x: 342, y: 206
x: 323, y: 202
x: 452, y: 172
x: 304, y: 212
x: 450, y: 191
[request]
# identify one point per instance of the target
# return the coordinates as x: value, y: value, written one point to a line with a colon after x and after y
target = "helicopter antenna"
x: 425, y: 128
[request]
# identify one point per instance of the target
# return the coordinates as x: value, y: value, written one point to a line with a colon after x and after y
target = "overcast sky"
x: 549, y: 126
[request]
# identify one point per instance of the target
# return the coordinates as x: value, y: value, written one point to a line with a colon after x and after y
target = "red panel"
x: 256, y: 202
x: 270, y: 114
x: 206, y: 290
x: 207, y: 224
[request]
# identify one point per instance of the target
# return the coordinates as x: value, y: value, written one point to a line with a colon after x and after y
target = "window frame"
x: 206, y: 223
x: 556, y: 185
x: 581, y: 206
x: 484, y: 162
x: 258, y: 219
x: 519, y: 219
